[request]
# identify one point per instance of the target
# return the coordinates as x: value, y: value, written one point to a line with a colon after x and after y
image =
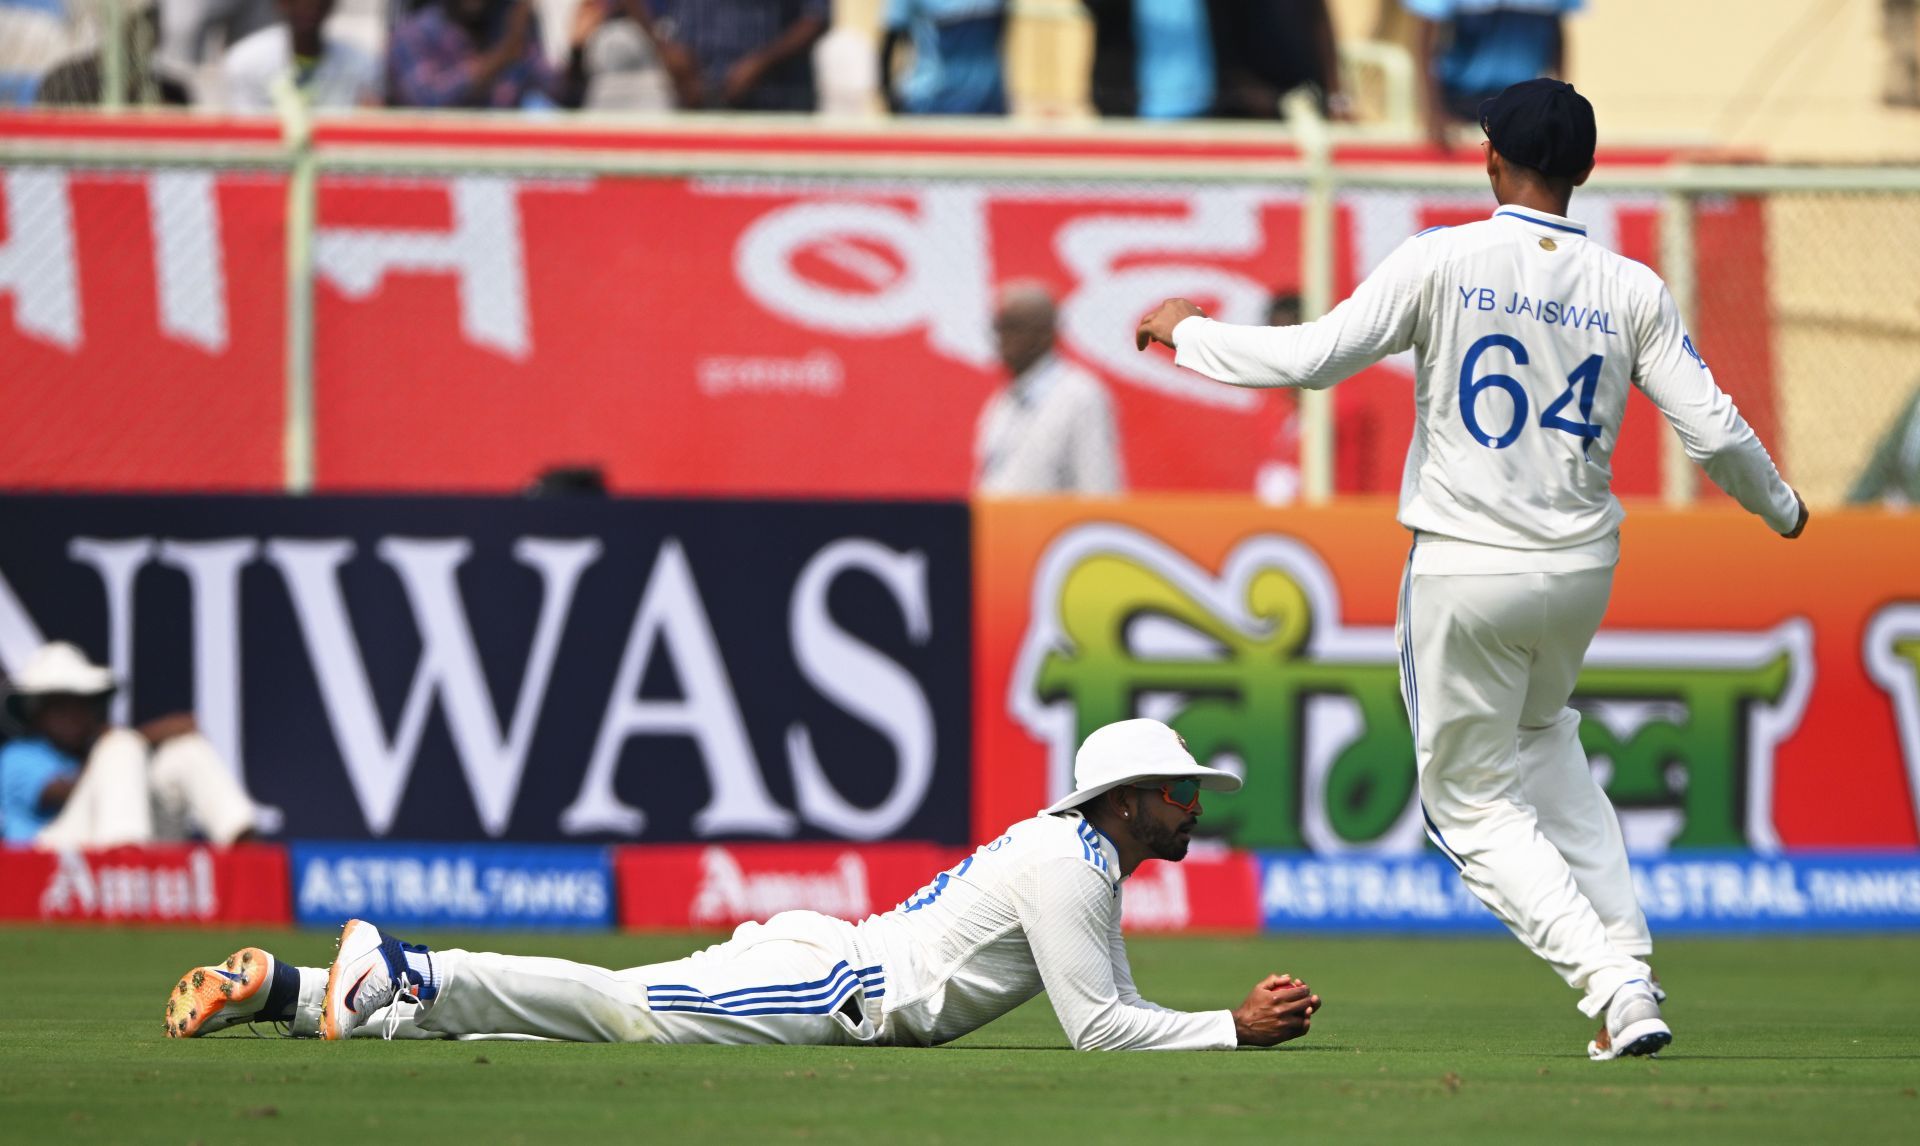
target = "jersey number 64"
x: 1585, y: 376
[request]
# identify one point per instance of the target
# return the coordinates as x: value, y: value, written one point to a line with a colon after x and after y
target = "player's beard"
x: 1163, y: 840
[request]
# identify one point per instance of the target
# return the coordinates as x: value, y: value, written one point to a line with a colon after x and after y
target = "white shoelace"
x: 391, y: 1024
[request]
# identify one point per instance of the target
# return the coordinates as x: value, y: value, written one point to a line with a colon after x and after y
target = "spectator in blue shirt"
x: 956, y: 57
x: 62, y: 702
x: 1152, y: 58
x: 35, y: 780
x: 1471, y: 50
x: 76, y: 781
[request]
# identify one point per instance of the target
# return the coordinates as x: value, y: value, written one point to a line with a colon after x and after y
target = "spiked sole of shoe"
x: 205, y: 992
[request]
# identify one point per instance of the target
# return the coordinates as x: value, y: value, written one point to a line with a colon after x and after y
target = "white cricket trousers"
x: 1487, y: 662
x: 797, y: 980
x: 130, y: 792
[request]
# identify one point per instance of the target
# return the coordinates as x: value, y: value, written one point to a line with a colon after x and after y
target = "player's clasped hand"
x: 1158, y: 325
x: 1278, y: 1008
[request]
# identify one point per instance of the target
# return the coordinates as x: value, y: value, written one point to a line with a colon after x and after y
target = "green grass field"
x: 1807, y: 1040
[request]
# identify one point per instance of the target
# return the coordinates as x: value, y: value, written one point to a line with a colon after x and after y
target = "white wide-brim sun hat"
x: 58, y: 668
x: 1133, y: 752
x: 55, y: 669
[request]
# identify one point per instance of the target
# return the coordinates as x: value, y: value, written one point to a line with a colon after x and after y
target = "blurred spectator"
x: 1152, y: 58
x: 1051, y: 428
x: 580, y: 481
x: 81, y: 80
x: 749, y: 55
x: 34, y: 35
x: 163, y: 781
x: 846, y: 73
x: 1373, y: 418
x: 187, y: 26
x: 1263, y: 49
x: 1470, y: 50
x: 1900, y: 28
x: 1892, y: 475
x: 626, y: 69
x: 330, y: 72
x: 473, y: 54
x: 956, y: 57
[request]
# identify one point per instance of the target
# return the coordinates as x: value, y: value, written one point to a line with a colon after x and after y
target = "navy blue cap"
x: 1543, y: 124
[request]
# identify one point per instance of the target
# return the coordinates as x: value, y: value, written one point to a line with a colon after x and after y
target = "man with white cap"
x: 163, y: 781
x: 1036, y: 909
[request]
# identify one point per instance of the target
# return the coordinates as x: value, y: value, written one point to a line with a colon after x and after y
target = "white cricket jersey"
x: 1037, y: 909
x: 1526, y: 336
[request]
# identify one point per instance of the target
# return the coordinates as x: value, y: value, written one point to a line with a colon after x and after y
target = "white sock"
x: 420, y: 962
x: 313, y: 999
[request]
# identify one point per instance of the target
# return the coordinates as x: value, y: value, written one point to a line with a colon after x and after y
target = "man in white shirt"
x: 331, y: 72
x: 1051, y: 428
x: 1036, y: 909
x: 1526, y: 337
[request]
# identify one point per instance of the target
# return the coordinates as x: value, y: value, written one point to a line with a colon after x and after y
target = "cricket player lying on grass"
x: 1037, y: 909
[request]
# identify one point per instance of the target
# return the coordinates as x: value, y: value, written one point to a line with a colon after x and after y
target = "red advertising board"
x: 723, y: 885
x: 170, y: 885
x: 667, y: 887
x: 783, y: 334
x: 1210, y: 890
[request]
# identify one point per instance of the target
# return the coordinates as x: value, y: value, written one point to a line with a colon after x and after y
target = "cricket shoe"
x: 1633, y: 1025
x: 369, y: 972
x: 209, y: 999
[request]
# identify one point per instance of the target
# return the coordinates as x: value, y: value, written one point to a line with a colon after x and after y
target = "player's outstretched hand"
x: 1158, y: 326
x: 1278, y: 1008
x: 1799, y: 526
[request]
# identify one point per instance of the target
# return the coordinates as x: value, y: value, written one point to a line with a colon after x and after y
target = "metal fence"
x: 1800, y: 278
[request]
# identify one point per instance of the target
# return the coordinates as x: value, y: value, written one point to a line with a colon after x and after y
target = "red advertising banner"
x: 1744, y: 693
x: 721, y: 886
x: 1208, y: 891
x: 170, y: 885
x: 668, y: 887
x: 783, y: 334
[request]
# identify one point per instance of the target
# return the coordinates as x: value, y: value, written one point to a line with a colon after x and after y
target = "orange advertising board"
x: 1745, y: 692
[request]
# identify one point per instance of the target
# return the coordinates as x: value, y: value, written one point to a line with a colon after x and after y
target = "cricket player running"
x: 1525, y: 336
x: 1037, y: 909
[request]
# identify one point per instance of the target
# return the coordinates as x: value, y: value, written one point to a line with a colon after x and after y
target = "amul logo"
x: 1255, y: 666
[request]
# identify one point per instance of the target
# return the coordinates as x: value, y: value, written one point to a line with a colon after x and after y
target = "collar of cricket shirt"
x: 1102, y: 843
x: 1541, y: 218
